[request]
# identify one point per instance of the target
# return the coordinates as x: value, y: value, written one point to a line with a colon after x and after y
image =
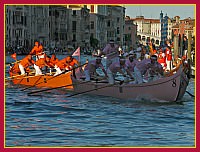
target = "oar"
x: 17, y: 61
x: 109, y: 85
x: 11, y: 78
x: 190, y: 94
x: 52, y: 77
x: 90, y: 90
x: 33, y: 92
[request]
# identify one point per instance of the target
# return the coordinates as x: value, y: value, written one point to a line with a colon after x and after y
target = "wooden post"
x: 182, y: 32
x: 189, y: 45
x: 176, y: 50
x: 181, y: 46
x: 189, y: 53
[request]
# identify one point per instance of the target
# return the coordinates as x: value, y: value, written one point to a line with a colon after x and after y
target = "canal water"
x: 53, y: 119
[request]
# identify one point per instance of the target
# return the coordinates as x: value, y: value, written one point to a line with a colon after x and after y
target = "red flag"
x: 77, y: 53
x: 14, y: 56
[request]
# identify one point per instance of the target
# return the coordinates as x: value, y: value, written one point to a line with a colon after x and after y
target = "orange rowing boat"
x: 42, y: 80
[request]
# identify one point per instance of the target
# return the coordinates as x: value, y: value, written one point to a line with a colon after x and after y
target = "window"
x: 92, y: 35
x: 108, y: 23
x: 92, y: 25
x: 74, y: 26
x: 118, y: 19
x: 74, y: 37
x: 74, y: 12
x: 56, y: 13
x: 65, y: 36
x: 62, y: 26
x: 118, y: 30
x: 17, y: 19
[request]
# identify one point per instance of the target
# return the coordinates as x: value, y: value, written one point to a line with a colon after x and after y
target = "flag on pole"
x: 14, y: 56
x: 77, y: 53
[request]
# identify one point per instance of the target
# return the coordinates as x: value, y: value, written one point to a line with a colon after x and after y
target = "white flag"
x: 77, y: 53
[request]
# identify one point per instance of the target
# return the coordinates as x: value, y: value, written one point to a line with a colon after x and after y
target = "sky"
x: 153, y: 11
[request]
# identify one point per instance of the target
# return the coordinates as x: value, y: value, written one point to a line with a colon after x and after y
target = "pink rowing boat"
x: 170, y: 88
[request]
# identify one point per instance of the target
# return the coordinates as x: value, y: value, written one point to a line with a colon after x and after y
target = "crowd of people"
x: 136, y: 65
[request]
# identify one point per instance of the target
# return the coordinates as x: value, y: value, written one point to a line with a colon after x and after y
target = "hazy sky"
x: 153, y: 11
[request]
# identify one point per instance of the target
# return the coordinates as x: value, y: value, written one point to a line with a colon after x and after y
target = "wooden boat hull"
x: 43, y: 80
x: 169, y: 88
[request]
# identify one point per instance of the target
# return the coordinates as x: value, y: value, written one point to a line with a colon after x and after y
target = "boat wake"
x: 145, y: 99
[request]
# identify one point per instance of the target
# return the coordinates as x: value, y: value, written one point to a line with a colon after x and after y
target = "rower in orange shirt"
x: 72, y: 63
x: 40, y: 63
x: 54, y: 59
x: 15, y: 69
x: 53, y: 62
x: 38, y: 51
x: 25, y: 63
x: 67, y: 63
x: 60, y: 66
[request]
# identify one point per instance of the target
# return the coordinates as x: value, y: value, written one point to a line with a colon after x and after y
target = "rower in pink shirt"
x: 90, y: 68
x: 111, y: 51
x: 147, y: 64
x: 131, y: 62
x: 117, y: 67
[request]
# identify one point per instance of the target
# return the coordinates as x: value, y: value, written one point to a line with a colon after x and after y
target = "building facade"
x: 107, y: 23
x: 160, y: 30
x: 17, y: 26
x: 64, y: 26
x: 98, y: 15
x: 130, y: 33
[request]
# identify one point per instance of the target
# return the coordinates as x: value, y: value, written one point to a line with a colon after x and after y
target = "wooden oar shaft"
x: 90, y: 90
x: 25, y: 77
x: 11, y: 78
x: 30, y: 76
x: 33, y: 92
x: 109, y: 85
x: 48, y: 89
x: 52, y: 88
x: 190, y: 93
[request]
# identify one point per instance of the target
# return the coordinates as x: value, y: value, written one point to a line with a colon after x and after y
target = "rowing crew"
x: 68, y: 63
x: 132, y: 67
